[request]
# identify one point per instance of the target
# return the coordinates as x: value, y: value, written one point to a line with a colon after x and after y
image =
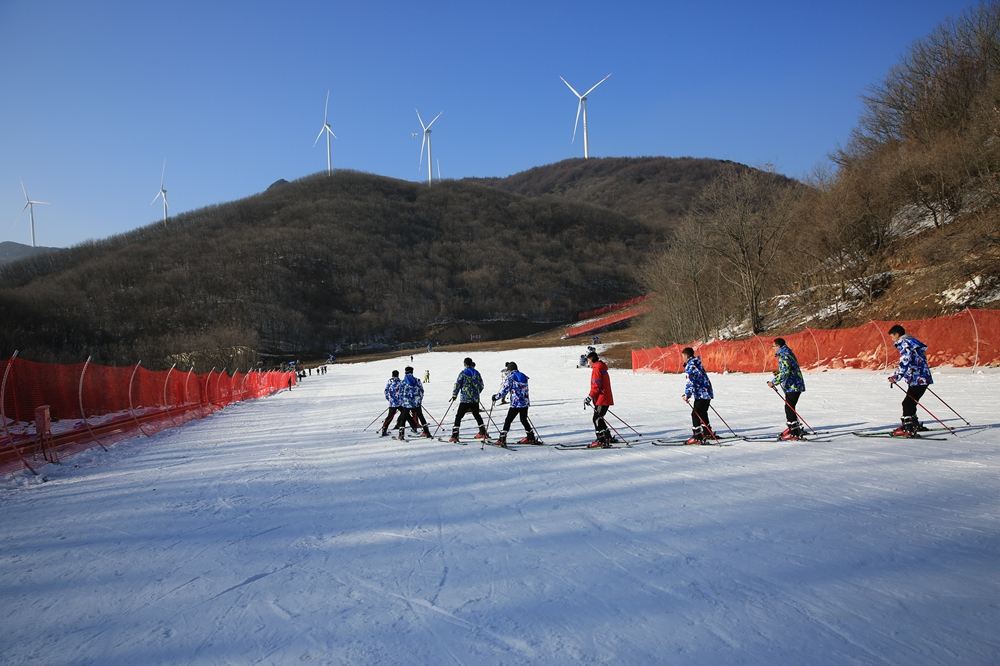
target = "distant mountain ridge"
x: 11, y: 251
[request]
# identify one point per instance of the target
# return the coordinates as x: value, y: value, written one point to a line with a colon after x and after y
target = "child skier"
x: 601, y: 398
x: 411, y: 397
x: 516, y: 384
x: 699, y: 387
x: 914, y: 370
x: 470, y: 385
x: 393, y: 388
x: 789, y: 378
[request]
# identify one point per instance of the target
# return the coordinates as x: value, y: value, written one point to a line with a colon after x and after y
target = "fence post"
x: 131, y: 409
x: 763, y: 350
x: 83, y: 414
x: 243, y: 386
x: 3, y: 414
x: 208, y: 400
x: 816, y: 343
x: 187, y: 378
x: 218, y: 383
x: 975, y: 327
x: 885, y: 345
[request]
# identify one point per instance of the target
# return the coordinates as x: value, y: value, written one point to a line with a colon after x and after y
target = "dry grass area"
x: 618, y: 355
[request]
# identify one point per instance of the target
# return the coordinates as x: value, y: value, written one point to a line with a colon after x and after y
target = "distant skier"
x: 411, y: 398
x: 699, y: 387
x: 516, y: 384
x: 393, y: 393
x: 789, y: 377
x: 427, y: 376
x: 915, y: 371
x: 469, y: 386
x: 600, y: 398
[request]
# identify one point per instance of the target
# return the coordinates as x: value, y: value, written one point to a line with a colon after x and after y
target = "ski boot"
x: 920, y: 426
x: 502, y: 440
x: 402, y: 435
x: 384, y: 433
x: 482, y: 433
x: 907, y: 428
x: 454, y: 437
x: 793, y: 433
x: 529, y: 439
x: 426, y: 434
x: 600, y: 443
x: 697, y: 436
x: 708, y: 433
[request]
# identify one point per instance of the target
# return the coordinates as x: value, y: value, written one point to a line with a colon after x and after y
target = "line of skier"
x: 405, y: 396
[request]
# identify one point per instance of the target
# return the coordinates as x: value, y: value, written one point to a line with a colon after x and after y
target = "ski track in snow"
x: 276, y: 532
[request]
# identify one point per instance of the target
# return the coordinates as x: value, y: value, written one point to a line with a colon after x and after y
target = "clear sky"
x: 96, y: 94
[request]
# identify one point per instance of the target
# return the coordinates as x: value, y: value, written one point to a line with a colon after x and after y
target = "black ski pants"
x: 913, y: 395
x: 600, y: 425
x: 466, y: 408
x: 700, y: 408
x: 517, y: 411
x: 388, y: 419
x: 792, y: 399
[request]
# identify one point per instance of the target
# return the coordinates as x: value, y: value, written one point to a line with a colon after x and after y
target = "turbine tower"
x: 582, y: 106
x: 426, y: 140
x: 326, y: 129
x: 30, y: 205
x: 162, y: 194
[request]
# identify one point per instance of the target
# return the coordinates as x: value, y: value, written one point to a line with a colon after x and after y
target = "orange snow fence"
x: 94, y: 405
x: 609, y: 315
x: 968, y: 339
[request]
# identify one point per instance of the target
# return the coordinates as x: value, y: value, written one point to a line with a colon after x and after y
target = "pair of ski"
x: 511, y: 446
x: 728, y: 440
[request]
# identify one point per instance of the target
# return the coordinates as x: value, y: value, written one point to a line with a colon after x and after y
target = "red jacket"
x: 600, y: 384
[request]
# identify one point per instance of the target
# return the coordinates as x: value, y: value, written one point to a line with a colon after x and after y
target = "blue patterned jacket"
x: 392, y: 391
x: 913, y: 362
x: 469, y: 384
x: 698, y: 386
x: 789, y: 376
x: 411, y: 391
x: 517, y: 385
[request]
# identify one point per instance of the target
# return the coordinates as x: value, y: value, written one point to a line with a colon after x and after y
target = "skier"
x: 789, y: 377
x: 914, y: 370
x: 411, y: 397
x: 393, y: 389
x: 427, y: 376
x: 469, y: 384
x: 601, y: 399
x: 516, y: 384
x: 699, y: 387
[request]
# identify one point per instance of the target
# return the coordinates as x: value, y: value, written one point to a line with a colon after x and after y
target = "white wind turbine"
x: 162, y: 194
x: 426, y: 140
x: 582, y: 106
x: 30, y: 205
x: 326, y: 129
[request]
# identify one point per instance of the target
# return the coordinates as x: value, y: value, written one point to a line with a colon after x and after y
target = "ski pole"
x: 703, y: 424
x: 948, y: 406
x: 919, y: 404
x: 799, y: 416
x: 489, y: 416
x: 376, y: 419
x: 723, y: 420
x: 450, y: 403
x: 639, y: 434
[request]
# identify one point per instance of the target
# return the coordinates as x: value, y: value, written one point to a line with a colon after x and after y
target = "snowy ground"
x: 276, y: 532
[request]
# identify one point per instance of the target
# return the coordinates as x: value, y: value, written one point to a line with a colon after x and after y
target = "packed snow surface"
x: 278, y: 531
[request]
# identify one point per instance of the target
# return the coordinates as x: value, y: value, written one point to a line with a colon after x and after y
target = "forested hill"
x: 11, y: 251
x: 316, y: 263
x: 656, y: 191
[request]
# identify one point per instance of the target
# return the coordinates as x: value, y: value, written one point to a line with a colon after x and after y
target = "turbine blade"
x: 594, y: 87
x: 163, y: 173
x: 435, y: 120
x: 25, y: 191
x: 421, y: 158
x: 331, y: 132
x: 322, y: 129
x: 422, y: 126
x: 158, y: 195
x: 41, y: 203
x: 26, y: 204
x: 570, y: 87
x: 326, y: 107
x: 577, y: 121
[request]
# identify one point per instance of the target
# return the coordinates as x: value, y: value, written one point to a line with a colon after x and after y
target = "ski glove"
x: 495, y: 397
x: 587, y: 401
x: 452, y: 399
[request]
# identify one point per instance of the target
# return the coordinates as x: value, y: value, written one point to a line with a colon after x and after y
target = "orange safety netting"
x: 967, y: 339
x: 593, y: 325
x: 93, y: 405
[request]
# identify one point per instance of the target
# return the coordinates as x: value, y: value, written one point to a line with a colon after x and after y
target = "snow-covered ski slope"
x: 276, y: 532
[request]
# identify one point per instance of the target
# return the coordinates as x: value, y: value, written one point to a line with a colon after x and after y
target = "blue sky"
x: 231, y: 93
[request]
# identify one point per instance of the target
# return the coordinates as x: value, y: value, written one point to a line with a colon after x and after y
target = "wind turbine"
x: 582, y: 106
x: 326, y: 129
x: 162, y: 194
x: 30, y: 205
x: 426, y: 140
